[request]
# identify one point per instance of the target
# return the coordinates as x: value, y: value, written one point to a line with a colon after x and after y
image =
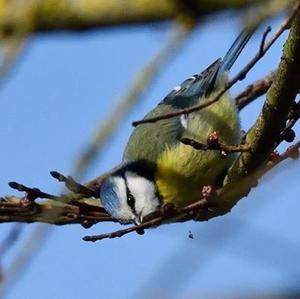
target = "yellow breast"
x: 182, y: 171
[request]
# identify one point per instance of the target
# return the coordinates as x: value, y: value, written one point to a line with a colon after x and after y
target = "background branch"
x: 10, y: 51
x: 142, y: 80
x: 51, y: 15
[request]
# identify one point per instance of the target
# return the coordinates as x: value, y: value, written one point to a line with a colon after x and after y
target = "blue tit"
x: 157, y: 168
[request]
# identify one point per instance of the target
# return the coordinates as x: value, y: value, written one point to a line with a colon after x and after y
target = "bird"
x: 157, y: 168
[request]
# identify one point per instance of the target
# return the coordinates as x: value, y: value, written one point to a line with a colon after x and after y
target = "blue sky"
x: 60, y: 89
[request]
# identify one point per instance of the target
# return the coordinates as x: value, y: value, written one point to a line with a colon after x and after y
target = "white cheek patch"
x: 144, y: 192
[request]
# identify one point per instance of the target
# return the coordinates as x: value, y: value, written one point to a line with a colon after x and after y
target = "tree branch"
x: 65, y: 210
x: 12, y: 210
x: 52, y: 15
x: 264, y: 135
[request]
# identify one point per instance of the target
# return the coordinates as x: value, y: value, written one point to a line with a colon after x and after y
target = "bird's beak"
x: 139, y: 219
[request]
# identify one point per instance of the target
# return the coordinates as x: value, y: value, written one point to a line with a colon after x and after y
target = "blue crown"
x: 109, y: 197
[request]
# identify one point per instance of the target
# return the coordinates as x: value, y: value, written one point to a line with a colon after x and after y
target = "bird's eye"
x: 130, y: 200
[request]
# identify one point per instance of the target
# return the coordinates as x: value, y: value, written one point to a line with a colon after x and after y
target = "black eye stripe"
x: 130, y: 198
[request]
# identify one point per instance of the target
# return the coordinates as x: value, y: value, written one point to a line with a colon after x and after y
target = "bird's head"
x: 130, y: 194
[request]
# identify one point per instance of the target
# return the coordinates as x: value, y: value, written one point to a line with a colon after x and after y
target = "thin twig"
x: 32, y: 193
x: 72, y: 185
x: 203, y: 203
x: 240, y: 76
x: 232, y: 148
x: 254, y: 90
x: 263, y: 40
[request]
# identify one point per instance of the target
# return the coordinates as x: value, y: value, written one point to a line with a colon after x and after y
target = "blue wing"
x: 201, y: 85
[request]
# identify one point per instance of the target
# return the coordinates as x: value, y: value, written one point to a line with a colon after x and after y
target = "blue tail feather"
x: 234, y: 52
